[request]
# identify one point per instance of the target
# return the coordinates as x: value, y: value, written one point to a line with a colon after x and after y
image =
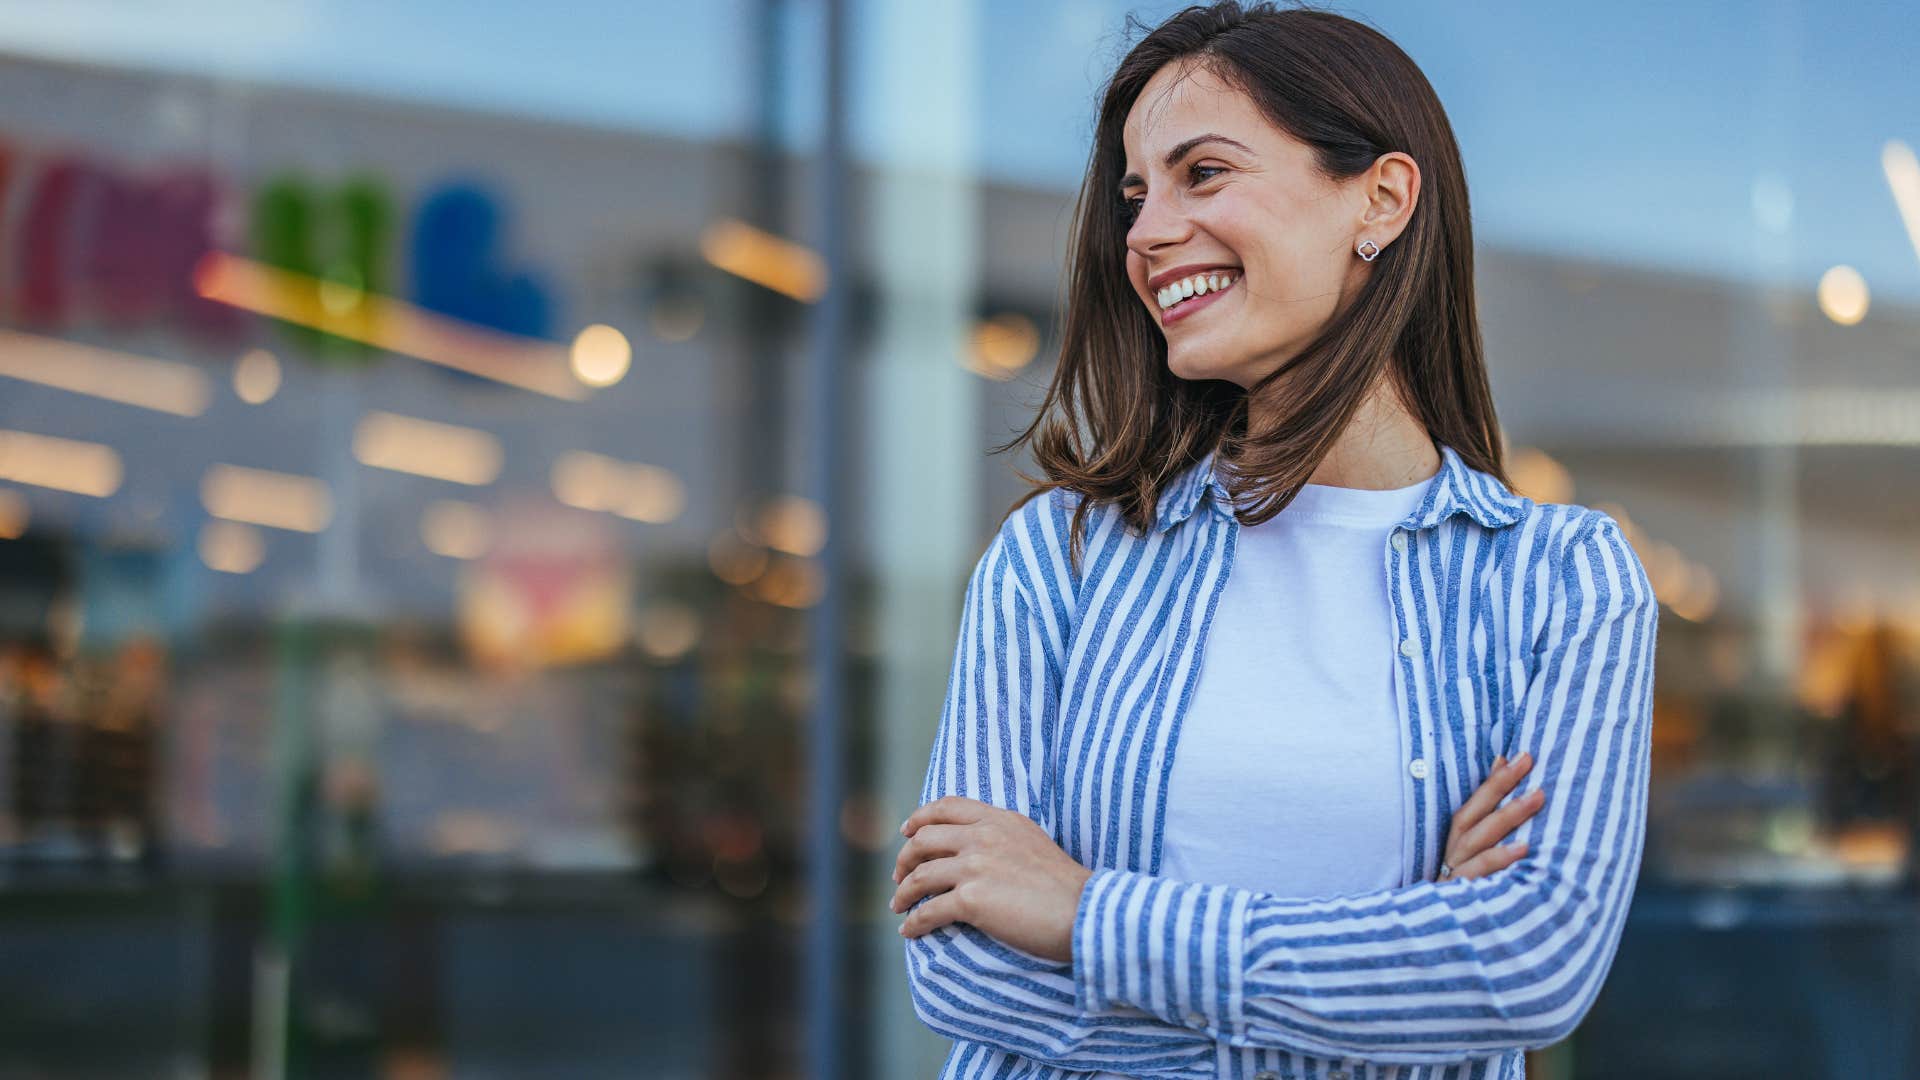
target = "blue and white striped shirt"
x: 1523, y: 626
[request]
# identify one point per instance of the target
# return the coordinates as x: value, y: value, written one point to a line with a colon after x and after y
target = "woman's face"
x: 1245, y: 210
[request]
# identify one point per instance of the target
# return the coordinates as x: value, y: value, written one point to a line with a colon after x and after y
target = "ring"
x: 1445, y: 871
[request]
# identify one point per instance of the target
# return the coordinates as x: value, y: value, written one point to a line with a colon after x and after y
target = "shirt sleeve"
x: 992, y: 745
x: 1432, y: 972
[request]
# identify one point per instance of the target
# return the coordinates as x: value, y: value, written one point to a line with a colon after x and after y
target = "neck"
x: 1382, y: 447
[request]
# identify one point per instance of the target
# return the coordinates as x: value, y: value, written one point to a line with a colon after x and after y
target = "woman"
x: 1274, y: 535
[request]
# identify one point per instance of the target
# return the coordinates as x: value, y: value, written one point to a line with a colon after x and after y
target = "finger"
x: 1501, y: 822
x: 929, y: 842
x: 930, y: 877
x: 956, y: 809
x: 1487, y: 833
x: 1491, y: 790
x: 1493, y: 859
x: 1486, y: 862
x: 1497, y: 784
x: 932, y: 915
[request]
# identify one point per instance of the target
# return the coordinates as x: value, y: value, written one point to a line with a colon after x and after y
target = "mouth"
x: 1179, y: 299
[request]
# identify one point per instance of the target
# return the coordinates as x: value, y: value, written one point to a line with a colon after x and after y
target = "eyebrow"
x: 1182, y: 150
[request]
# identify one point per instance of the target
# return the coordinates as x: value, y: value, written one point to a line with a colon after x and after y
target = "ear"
x: 1390, y: 188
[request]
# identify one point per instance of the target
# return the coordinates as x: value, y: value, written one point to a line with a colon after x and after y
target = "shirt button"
x: 1418, y: 767
x: 1399, y: 541
x: 1196, y: 1019
x: 1268, y: 1075
x: 1337, y: 1074
x: 1407, y: 647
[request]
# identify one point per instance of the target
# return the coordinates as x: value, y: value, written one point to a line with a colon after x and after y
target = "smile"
x: 1181, y: 298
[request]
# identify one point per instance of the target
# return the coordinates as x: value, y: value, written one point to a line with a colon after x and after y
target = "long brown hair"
x: 1118, y: 426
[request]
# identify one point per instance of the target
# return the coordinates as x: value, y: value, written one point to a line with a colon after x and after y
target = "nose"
x: 1159, y: 224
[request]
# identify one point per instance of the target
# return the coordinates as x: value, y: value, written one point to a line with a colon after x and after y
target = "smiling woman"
x: 1302, y: 160
x: 1274, y: 535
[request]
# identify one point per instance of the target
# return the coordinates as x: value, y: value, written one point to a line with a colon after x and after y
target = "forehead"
x: 1181, y: 100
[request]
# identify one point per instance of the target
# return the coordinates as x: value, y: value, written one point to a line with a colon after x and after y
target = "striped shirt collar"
x: 1457, y: 488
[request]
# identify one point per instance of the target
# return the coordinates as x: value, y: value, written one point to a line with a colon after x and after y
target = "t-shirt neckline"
x: 1379, y: 507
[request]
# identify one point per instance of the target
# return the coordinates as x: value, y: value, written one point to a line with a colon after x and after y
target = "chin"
x: 1187, y: 365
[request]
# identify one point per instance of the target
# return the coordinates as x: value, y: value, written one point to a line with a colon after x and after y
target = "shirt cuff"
x: 1173, y: 948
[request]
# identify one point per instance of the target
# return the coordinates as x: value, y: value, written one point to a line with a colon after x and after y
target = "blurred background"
x: 486, y: 491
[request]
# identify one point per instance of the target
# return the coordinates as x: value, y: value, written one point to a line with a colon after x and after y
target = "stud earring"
x: 1364, y: 253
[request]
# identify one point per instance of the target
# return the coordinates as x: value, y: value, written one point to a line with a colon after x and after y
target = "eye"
x: 1130, y: 205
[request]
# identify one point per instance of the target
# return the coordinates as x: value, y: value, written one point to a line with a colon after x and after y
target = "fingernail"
x: 903, y: 827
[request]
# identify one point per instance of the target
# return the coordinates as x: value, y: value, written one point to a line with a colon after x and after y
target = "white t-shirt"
x: 1287, y: 770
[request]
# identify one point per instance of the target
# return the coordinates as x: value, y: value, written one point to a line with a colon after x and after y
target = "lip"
x: 1161, y: 279
x: 1192, y: 304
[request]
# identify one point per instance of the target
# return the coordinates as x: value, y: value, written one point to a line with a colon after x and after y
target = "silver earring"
x: 1364, y: 253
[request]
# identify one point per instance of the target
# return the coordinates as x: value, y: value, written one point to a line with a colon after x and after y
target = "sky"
x: 1681, y: 135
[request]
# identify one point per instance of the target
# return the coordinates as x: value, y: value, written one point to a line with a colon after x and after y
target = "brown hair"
x: 1118, y: 426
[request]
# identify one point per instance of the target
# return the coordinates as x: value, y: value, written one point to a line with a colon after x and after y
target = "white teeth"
x: 1197, y: 285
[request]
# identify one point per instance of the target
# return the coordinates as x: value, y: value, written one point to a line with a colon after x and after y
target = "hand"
x: 1471, y: 850
x: 993, y: 868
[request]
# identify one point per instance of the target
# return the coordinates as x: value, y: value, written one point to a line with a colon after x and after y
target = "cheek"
x: 1289, y: 281
x: 1275, y: 244
x: 1237, y: 221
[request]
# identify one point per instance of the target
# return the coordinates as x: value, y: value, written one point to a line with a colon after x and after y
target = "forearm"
x: 966, y: 985
x: 1427, y: 973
